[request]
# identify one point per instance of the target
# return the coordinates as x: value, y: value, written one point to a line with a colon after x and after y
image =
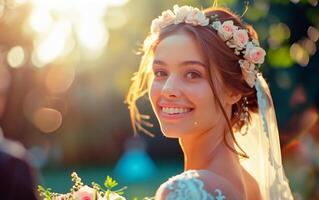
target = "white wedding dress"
x: 188, y: 186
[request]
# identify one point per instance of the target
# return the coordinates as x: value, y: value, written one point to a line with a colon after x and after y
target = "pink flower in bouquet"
x: 85, y: 193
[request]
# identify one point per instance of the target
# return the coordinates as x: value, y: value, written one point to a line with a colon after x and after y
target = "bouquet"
x: 79, y: 191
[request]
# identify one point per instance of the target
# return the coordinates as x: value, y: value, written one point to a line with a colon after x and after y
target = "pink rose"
x: 226, y: 30
x: 85, y: 193
x: 196, y: 17
x: 255, y: 55
x: 240, y: 38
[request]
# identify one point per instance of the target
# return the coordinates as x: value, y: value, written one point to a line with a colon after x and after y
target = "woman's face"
x: 180, y: 93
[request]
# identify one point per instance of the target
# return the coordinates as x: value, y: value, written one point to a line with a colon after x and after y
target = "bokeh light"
x: 278, y: 33
x: 93, y: 42
x: 313, y: 2
x: 309, y: 46
x: 313, y: 33
x: 41, y: 21
x: 16, y: 57
x: 51, y: 47
x: 47, y: 120
x: 82, y: 21
x: 280, y: 57
x: 299, y: 54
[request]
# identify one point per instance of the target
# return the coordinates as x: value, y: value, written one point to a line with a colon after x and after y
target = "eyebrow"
x: 188, y: 62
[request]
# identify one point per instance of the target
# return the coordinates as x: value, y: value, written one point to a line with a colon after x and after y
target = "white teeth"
x: 170, y: 110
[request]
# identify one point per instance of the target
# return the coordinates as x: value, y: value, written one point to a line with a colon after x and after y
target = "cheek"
x: 154, y: 93
x: 207, y: 112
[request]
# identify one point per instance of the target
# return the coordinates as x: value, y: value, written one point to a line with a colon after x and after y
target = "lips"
x: 173, y: 111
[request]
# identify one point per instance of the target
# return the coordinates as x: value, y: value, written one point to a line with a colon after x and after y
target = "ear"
x: 232, y: 97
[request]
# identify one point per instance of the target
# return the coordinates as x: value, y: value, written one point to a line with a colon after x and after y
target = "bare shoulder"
x: 197, y: 184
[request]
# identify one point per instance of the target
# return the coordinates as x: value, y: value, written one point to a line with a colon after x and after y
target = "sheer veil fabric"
x: 262, y: 145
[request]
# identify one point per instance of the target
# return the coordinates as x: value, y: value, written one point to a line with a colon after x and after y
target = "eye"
x: 159, y: 73
x: 193, y: 75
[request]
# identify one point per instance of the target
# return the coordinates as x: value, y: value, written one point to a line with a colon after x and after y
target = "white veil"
x: 261, y: 144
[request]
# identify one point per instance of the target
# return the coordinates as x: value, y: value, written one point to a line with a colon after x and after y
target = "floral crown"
x: 235, y: 37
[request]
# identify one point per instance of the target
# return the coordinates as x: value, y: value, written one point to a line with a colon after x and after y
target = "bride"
x: 201, y: 72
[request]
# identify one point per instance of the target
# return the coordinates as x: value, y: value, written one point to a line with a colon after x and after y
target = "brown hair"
x: 213, y: 48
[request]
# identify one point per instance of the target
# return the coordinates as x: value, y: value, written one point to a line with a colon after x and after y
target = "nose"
x: 171, y: 88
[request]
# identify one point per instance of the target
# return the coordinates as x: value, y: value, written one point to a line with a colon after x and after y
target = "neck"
x: 208, y: 150
x: 199, y: 150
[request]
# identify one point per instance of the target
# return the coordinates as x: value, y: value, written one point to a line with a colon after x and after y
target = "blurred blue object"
x: 135, y: 165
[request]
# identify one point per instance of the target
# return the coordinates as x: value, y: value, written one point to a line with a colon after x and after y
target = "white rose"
x: 181, y: 13
x: 167, y: 18
x: 156, y: 25
x: 197, y: 17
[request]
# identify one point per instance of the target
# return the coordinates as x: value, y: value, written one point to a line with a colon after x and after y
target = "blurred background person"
x: 16, y: 176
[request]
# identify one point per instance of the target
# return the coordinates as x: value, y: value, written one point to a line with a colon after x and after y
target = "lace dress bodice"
x: 188, y: 186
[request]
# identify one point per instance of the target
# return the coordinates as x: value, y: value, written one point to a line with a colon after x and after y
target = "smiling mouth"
x: 175, y: 111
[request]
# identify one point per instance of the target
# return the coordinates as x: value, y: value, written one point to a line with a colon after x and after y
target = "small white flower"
x: 216, y: 25
x: 167, y: 18
x: 197, y: 17
x: 249, y: 72
x: 156, y: 25
x: 181, y: 13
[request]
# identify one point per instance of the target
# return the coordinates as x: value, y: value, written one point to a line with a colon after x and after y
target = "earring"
x: 244, y: 115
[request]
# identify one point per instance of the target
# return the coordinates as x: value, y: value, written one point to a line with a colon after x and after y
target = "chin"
x: 173, y: 133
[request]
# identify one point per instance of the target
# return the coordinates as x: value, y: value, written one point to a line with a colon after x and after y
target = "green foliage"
x: 110, y: 183
x: 46, y: 193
